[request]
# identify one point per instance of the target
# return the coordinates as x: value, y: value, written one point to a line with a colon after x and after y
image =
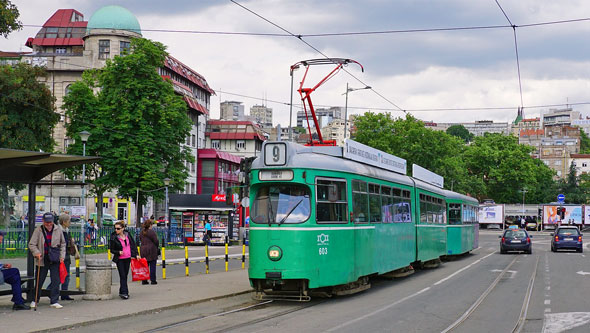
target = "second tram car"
x: 323, y: 222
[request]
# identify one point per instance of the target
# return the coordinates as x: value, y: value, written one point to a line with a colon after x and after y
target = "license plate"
x: 516, y: 241
x: 573, y: 238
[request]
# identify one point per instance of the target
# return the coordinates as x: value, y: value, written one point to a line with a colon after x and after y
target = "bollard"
x: 186, y: 259
x: 206, y: 259
x: 98, y: 279
x: 164, y: 261
x: 243, y: 256
x: 138, y: 252
x: 78, y: 274
x: 226, y: 257
x: 109, y: 254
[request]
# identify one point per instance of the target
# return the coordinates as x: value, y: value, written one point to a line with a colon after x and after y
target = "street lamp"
x: 346, y: 105
x: 524, y: 190
x: 167, y: 218
x: 84, y: 135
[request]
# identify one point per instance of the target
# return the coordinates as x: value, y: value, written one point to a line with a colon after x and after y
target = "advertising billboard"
x: 586, y: 214
x: 570, y: 214
x: 491, y: 214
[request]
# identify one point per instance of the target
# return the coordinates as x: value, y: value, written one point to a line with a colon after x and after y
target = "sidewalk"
x: 169, y: 293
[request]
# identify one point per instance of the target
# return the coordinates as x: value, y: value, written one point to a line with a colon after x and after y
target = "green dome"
x: 114, y: 17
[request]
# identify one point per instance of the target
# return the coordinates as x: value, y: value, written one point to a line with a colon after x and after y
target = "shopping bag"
x: 139, y: 269
x: 63, y: 273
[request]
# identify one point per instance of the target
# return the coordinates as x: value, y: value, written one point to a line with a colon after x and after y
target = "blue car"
x: 515, y: 239
x: 566, y: 238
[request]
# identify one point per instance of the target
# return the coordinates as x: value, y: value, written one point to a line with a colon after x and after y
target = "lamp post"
x: 346, y: 105
x: 84, y: 135
x: 167, y: 217
x: 524, y: 190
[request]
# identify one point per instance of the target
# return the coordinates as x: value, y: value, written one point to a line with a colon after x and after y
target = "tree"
x: 137, y: 124
x: 8, y: 18
x: 584, y: 143
x: 461, y: 132
x: 409, y: 139
x: 505, y: 167
x: 27, y: 116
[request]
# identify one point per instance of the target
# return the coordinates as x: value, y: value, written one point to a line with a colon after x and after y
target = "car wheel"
x: 580, y: 250
x: 552, y: 249
x: 530, y: 251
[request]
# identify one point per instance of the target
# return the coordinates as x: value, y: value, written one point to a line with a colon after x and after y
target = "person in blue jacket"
x: 11, y: 276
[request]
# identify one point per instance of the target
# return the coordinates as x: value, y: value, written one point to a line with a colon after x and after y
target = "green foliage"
x: 27, y: 114
x: 505, y: 167
x: 137, y: 123
x: 8, y: 18
x: 584, y: 143
x: 461, y: 132
x: 574, y: 187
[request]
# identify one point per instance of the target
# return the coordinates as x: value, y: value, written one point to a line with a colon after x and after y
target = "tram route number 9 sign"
x: 275, y: 153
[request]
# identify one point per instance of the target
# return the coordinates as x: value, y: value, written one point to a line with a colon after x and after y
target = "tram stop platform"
x: 170, y: 293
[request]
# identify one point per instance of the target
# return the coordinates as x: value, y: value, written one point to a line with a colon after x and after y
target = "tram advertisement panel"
x: 491, y: 214
x: 569, y: 214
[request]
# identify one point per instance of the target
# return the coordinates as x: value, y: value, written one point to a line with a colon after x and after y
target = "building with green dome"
x: 67, y: 45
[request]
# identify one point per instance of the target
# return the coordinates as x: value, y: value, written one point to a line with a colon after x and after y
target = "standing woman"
x: 65, y: 221
x: 149, y: 248
x: 123, y: 248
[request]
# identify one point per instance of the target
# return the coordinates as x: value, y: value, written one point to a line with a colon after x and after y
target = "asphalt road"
x: 484, y: 291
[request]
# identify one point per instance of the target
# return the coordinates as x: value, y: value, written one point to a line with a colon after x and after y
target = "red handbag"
x: 139, y: 269
x: 63, y: 272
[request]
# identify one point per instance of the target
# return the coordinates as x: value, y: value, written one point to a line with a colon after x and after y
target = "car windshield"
x: 567, y: 232
x: 281, y: 204
x: 515, y: 234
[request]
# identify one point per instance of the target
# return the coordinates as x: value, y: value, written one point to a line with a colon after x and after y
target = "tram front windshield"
x: 278, y: 204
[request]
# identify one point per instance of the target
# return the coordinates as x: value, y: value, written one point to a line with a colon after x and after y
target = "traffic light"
x: 228, y: 196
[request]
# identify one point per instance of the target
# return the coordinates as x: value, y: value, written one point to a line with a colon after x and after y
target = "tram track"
x: 524, y: 308
x: 295, y: 308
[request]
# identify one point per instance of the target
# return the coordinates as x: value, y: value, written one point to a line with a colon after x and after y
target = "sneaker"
x: 144, y: 282
x: 124, y: 296
x: 33, y: 304
x: 154, y: 282
x: 18, y: 307
x: 56, y: 306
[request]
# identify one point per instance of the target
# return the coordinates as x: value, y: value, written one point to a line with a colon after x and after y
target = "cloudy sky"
x: 445, y: 75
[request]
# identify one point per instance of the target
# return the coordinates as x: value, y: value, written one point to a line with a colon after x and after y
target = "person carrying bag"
x: 48, y: 246
x: 150, y: 249
x: 123, y: 248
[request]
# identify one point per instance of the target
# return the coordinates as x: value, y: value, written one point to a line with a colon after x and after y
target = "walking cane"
x: 37, y: 284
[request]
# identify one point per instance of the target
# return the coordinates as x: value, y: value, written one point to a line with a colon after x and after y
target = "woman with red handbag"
x: 149, y: 248
x: 123, y: 248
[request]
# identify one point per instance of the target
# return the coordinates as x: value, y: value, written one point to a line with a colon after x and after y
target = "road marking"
x: 378, y: 311
x: 561, y: 322
x: 462, y: 269
x: 547, y: 309
x: 547, y: 302
x: 512, y: 273
x: 548, y: 287
x: 582, y: 273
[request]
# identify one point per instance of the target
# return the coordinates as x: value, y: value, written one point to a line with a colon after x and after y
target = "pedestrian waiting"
x: 149, y: 248
x: 123, y: 248
x: 48, y: 246
x: 71, y: 250
x: 11, y: 276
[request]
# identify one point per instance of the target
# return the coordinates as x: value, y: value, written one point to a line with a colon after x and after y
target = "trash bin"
x: 98, y: 279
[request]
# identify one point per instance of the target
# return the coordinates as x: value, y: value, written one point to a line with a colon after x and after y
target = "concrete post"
x: 98, y: 279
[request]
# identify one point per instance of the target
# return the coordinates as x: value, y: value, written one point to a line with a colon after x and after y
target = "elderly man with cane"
x: 48, y: 246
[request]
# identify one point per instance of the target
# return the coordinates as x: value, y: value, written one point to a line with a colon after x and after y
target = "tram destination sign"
x: 362, y: 153
x: 428, y: 176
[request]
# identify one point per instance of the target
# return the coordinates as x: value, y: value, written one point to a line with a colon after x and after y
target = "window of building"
x: 193, y: 139
x: 61, y: 50
x: 193, y: 188
x: 215, y: 144
x: 104, y: 49
x: 332, y: 206
x: 584, y: 164
x: 193, y: 167
x: 51, y: 33
x: 207, y: 187
x: 124, y: 47
x: 240, y: 144
x: 68, y: 88
x: 208, y: 168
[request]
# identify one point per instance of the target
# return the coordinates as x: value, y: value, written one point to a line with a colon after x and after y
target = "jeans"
x: 53, y: 269
x: 123, y: 269
x: 12, y: 277
x: 152, y: 265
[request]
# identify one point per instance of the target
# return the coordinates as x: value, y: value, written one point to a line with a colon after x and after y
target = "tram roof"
x: 331, y: 158
x: 459, y: 196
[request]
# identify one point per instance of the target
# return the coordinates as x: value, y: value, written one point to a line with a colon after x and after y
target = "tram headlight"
x: 275, y: 253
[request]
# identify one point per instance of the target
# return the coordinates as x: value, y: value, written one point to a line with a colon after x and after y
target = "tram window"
x: 374, y: 203
x: 387, y: 209
x: 332, y: 205
x: 360, y: 201
x: 281, y: 204
x: 454, y: 214
x: 423, y: 211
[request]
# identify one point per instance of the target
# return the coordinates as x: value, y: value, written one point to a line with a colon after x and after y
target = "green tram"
x: 463, y: 226
x: 324, y: 219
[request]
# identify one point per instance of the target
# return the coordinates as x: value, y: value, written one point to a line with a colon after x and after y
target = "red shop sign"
x: 218, y: 197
